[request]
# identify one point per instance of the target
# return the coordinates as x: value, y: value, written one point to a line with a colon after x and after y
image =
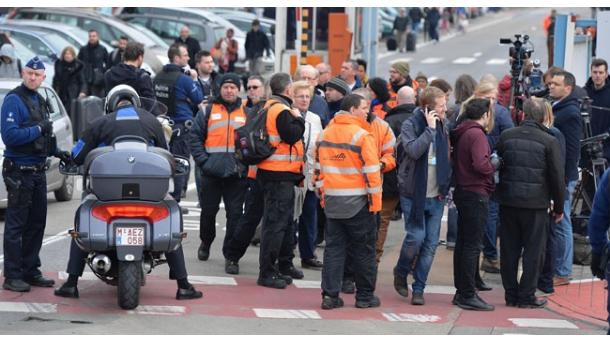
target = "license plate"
x: 129, y: 235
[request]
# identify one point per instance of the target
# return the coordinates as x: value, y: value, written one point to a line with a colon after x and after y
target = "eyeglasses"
x: 253, y: 87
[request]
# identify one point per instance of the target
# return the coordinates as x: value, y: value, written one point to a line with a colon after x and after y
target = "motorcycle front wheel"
x: 130, y: 278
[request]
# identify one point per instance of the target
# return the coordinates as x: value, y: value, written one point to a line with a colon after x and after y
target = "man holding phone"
x: 424, y: 175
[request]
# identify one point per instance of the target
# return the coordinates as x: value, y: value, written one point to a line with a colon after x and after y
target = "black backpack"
x: 252, y: 144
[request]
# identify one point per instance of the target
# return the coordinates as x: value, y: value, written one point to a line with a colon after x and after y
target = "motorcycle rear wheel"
x: 130, y: 279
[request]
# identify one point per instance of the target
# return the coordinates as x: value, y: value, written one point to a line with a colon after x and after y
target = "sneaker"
x: 490, y: 266
x: 231, y: 267
x: 400, y: 285
x: 418, y: 299
x: 271, y: 282
x: 203, y: 253
x: 474, y: 303
x: 560, y: 281
x: 373, y: 302
x: 328, y: 302
x: 311, y: 263
x: 293, y: 272
x: 348, y: 286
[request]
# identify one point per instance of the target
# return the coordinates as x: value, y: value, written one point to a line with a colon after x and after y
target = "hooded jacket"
x: 472, y: 168
x: 13, y: 69
x: 569, y: 122
x: 600, y: 119
x: 127, y: 74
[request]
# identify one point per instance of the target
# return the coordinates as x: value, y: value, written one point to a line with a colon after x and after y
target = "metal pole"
x: 314, y: 28
x: 280, y: 37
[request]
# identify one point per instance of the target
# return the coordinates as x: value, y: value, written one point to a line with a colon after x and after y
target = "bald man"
x: 317, y: 105
x: 192, y: 44
x: 324, y: 75
x: 390, y: 198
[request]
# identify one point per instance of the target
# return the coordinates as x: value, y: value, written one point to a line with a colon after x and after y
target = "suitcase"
x: 83, y: 112
x: 391, y: 44
x: 411, y: 41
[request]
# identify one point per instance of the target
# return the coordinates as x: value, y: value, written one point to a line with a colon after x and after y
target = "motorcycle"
x: 127, y: 219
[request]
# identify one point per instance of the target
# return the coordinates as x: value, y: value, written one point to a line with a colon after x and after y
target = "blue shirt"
x: 14, y: 114
x: 185, y: 88
x: 599, y: 221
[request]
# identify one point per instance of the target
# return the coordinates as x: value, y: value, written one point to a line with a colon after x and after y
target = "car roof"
x: 189, y: 21
x: 9, y: 83
x: 55, y: 27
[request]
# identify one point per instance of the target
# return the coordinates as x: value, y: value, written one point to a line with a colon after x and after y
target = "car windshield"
x: 141, y: 35
x: 24, y: 53
x: 57, y: 42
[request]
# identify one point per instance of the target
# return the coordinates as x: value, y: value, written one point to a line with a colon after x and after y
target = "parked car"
x: 24, y: 54
x: 108, y: 28
x: 206, y: 17
x: 62, y: 186
x: 168, y: 28
x: 243, y: 20
x: 43, y: 43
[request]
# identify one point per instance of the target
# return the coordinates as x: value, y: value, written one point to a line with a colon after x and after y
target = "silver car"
x: 61, y: 185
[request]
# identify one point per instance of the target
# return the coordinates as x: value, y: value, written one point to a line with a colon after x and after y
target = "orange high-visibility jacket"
x: 252, y: 172
x: 221, y: 128
x: 385, y: 142
x: 286, y: 158
x: 380, y: 110
x: 347, y: 162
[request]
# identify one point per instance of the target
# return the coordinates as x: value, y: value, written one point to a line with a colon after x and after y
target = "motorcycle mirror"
x: 183, y: 165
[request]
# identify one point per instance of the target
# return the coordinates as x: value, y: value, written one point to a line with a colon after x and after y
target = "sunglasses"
x: 253, y: 87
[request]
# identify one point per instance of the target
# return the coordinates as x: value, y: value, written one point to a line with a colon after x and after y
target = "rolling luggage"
x: 411, y: 41
x: 84, y: 111
x: 391, y: 44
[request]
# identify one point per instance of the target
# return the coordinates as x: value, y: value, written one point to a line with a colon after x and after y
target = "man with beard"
x: 399, y: 77
x: 336, y: 90
x: 95, y: 57
x: 130, y: 73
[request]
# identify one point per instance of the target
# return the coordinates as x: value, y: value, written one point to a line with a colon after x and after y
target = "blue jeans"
x: 564, y: 243
x: 490, y: 250
x: 421, y: 241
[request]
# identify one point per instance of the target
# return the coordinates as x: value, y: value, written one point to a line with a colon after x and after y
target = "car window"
x: 32, y: 43
x: 165, y: 29
x: 69, y: 20
x: 53, y: 101
x: 242, y: 25
x: 102, y: 29
x: 198, y: 32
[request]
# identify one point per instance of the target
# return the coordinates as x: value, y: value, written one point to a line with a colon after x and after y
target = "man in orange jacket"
x: 348, y: 180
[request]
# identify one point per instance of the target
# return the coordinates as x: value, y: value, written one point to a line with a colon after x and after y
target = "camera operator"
x: 598, y: 89
x: 566, y: 110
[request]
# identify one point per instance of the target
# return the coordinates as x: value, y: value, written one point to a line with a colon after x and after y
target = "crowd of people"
x: 347, y: 153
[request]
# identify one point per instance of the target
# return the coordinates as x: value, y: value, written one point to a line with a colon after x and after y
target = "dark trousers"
x: 26, y: 216
x: 523, y: 235
x: 472, y: 218
x: 277, y: 235
x: 348, y: 271
x: 545, y: 280
x: 355, y: 237
x: 236, y: 247
x: 175, y: 261
x: 179, y: 145
x: 321, y: 223
x: 308, y: 226
x: 232, y: 191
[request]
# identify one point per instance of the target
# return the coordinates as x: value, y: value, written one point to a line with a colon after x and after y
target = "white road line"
x: 449, y: 290
x: 542, y: 323
x: 496, y: 61
x: 194, y: 222
x: 431, y: 60
x: 190, y: 228
x: 386, y: 54
x: 477, y: 54
x: 464, y: 60
x: 413, y: 318
x: 307, y: 284
x: 159, y: 310
x: 212, y: 280
x: 28, y: 307
x: 86, y: 276
x: 49, y: 240
x: 193, y: 205
x: 286, y: 314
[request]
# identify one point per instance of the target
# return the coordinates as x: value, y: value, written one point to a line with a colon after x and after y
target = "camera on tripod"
x: 519, y: 52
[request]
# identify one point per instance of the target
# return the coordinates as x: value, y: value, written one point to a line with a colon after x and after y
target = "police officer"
x: 125, y: 118
x: 180, y: 93
x: 598, y: 233
x: 27, y: 132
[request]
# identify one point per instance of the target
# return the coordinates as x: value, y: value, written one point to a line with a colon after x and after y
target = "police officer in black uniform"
x: 180, y: 93
x: 125, y: 118
x: 27, y: 132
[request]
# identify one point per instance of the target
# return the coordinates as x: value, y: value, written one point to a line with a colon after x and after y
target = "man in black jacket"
x: 598, y: 89
x: 566, y: 110
x: 95, y: 57
x: 531, y: 176
x: 401, y: 23
x: 116, y: 56
x: 391, y: 197
x: 256, y: 43
x: 130, y: 73
x: 192, y: 45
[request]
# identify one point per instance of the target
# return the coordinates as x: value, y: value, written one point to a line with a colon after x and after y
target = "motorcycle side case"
x: 97, y: 235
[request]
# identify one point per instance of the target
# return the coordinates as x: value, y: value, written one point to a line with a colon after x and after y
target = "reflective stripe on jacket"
x: 286, y: 158
x: 385, y: 142
x: 221, y: 128
x: 347, y: 162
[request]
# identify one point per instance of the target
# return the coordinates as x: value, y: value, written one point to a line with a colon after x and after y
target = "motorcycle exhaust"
x: 101, y: 263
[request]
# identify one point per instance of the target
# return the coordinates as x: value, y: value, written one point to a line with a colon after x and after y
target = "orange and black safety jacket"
x: 347, y: 163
